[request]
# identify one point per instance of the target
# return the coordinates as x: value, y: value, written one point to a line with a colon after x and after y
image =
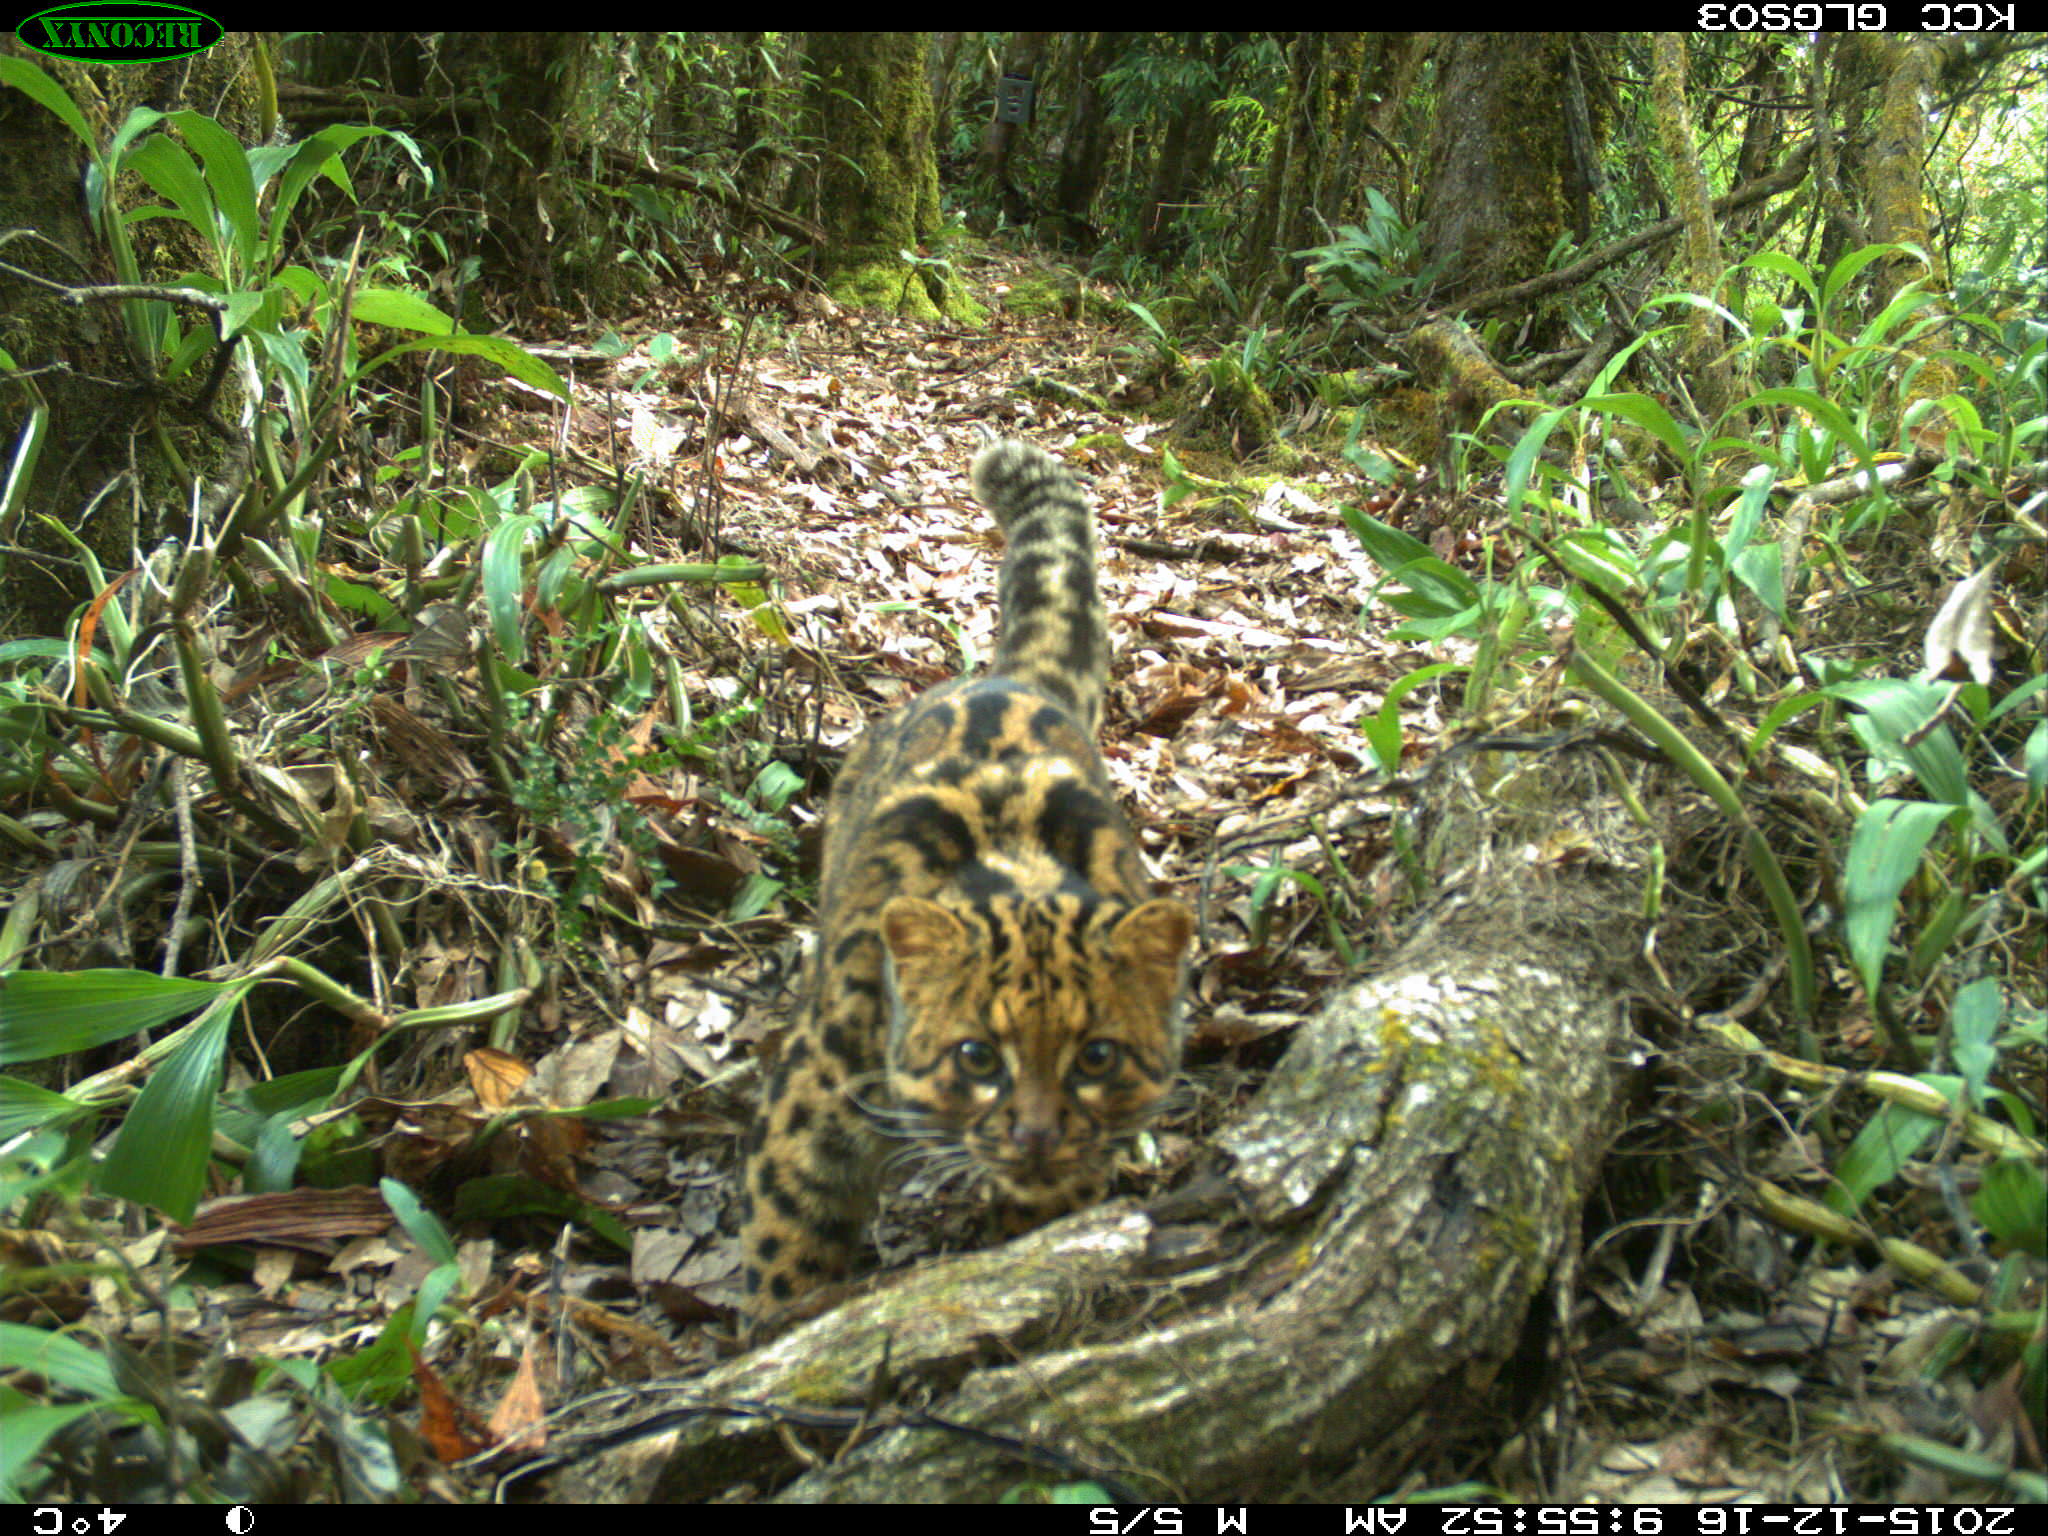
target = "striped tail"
x: 1054, y: 638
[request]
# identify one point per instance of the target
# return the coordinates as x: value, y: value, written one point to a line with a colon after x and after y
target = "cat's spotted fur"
x: 992, y: 970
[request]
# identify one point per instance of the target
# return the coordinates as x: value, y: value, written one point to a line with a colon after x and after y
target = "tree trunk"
x: 1704, y: 340
x: 1895, y: 198
x: 1345, y: 1285
x: 1257, y: 260
x: 1185, y: 150
x: 1494, y: 203
x: 508, y: 162
x: 539, y: 74
x: 1084, y: 146
x: 878, y: 181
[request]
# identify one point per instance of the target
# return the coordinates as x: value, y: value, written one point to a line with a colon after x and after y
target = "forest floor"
x: 1706, y: 1357
x: 1709, y: 1358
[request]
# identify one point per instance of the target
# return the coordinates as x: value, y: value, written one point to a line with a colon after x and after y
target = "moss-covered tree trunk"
x: 1701, y: 262
x: 878, y: 180
x: 1289, y: 217
x: 1495, y: 202
x: 1894, y: 193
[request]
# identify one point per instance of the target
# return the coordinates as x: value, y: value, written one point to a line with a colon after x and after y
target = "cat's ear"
x: 1157, y: 933
x: 916, y: 929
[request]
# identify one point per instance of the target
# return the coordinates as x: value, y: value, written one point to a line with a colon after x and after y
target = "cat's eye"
x: 1098, y: 1058
x: 977, y: 1058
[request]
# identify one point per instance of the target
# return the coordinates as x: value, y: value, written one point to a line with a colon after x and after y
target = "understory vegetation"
x: 460, y: 495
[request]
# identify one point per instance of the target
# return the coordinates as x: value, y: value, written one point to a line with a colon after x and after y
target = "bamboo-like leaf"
x: 1907, y: 302
x: 2012, y: 1202
x: 173, y: 174
x: 319, y: 155
x: 1893, y: 725
x: 1761, y: 568
x: 510, y: 358
x: 61, y: 1359
x: 1383, y: 729
x: 160, y: 1157
x: 402, y: 310
x: 1786, y: 266
x: 420, y: 1224
x: 1885, y: 850
x: 1973, y: 1020
x: 1435, y: 589
x: 1599, y: 560
x: 504, y: 570
x: 1885, y: 1145
x: 2018, y: 1486
x: 25, y: 1108
x: 1844, y: 271
x: 1763, y: 862
x: 45, y: 1014
x: 752, y: 897
x: 663, y: 575
x: 1647, y: 414
x: 232, y: 186
x: 1821, y: 409
x: 29, y: 78
x: 1522, y: 460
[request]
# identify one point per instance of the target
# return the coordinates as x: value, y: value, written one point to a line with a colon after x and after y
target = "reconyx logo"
x: 130, y: 32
